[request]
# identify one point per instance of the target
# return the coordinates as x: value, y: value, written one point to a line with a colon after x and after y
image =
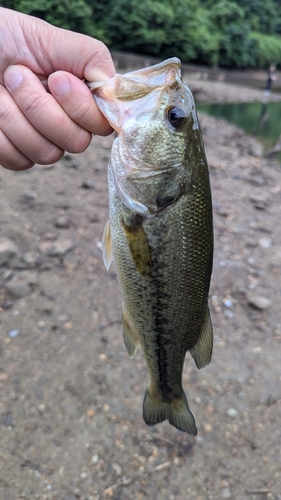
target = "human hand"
x: 45, y: 107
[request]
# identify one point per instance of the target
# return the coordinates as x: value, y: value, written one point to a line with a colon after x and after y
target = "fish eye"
x: 176, y: 116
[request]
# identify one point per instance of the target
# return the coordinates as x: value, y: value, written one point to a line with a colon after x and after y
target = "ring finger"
x: 10, y: 157
x: 23, y: 136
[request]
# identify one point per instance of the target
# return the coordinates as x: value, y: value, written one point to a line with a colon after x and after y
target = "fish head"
x: 153, y: 112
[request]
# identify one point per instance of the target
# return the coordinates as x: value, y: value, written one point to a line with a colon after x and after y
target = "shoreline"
x: 211, y: 92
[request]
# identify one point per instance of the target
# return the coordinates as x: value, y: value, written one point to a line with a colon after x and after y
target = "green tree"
x: 234, y: 31
x: 261, y: 15
x: 230, y: 33
x: 76, y: 15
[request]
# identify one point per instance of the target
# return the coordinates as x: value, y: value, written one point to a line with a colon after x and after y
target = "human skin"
x: 45, y: 106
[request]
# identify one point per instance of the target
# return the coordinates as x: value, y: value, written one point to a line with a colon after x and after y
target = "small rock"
x: 13, y: 333
x: 57, y: 248
x: 68, y: 325
x: 226, y: 493
x: 274, y: 257
x: 93, y: 217
x: 31, y: 258
x: 62, y: 222
x: 109, y: 492
x: 161, y: 467
x: 259, y: 302
x: 47, y: 167
x: 232, y: 413
x: 228, y: 314
x: 87, y: 184
x: 117, y: 469
x: 70, y: 262
x: 22, y: 285
x: 50, y: 236
x: 228, y: 303
x: 256, y: 180
x: 260, y: 201
x: 63, y: 318
x: 8, y: 420
x: 30, y: 277
x: 252, y: 261
x: 29, y: 195
x: 207, y: 427
x: 18, y: 288
x: 8, y: 250
x: 257, y: 349
x: 265, y: 242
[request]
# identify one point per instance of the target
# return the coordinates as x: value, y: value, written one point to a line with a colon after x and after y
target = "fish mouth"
x: 161, y: 74
x: 94, y: 85
x: 121, y: 89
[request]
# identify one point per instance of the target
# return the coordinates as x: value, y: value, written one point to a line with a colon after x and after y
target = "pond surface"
x: 260, y: 119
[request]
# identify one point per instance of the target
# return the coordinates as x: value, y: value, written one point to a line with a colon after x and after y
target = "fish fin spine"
x: 202, y: 351
x: 177, y: 413
x: 130, y: 339
x: 107, y: 246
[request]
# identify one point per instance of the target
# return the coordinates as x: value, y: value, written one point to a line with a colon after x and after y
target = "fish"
x: 160, y: 230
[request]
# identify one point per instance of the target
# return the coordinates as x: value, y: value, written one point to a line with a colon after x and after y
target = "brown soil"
x: 71, y: 398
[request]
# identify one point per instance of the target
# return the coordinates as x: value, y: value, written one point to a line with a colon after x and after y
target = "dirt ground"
x: 71, y: 398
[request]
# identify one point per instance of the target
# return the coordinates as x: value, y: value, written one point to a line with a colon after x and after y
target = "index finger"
x: 59, y: 49
x: 77, y: 101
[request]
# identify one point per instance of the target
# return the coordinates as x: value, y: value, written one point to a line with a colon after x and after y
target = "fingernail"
x: 60, y: 85
x: 12, y: 77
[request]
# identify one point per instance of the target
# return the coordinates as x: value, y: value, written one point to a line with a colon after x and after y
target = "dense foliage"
x: 230, y: 33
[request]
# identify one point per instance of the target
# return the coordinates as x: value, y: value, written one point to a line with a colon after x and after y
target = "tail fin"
x: 178, y: 413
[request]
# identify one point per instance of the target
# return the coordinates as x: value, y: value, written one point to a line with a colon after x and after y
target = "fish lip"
x: 94, y: 85
x: 172, y: 60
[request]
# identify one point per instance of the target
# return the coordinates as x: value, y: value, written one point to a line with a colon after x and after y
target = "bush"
x: 265, y: 50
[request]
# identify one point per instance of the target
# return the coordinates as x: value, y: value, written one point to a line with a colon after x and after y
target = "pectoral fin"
x: 130, y: 340
x: 139, y: 248
x: 202, y: 351
x: 106, y: 245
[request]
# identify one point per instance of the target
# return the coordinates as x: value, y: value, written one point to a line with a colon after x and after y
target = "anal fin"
x: 202, y: 351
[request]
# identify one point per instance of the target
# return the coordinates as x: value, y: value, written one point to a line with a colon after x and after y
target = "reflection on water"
x: 263, y: 120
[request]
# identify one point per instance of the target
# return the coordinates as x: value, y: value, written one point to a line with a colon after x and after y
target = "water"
x: 262, y: 120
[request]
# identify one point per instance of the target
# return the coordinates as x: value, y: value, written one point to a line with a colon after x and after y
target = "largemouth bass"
x: 159, y: 233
